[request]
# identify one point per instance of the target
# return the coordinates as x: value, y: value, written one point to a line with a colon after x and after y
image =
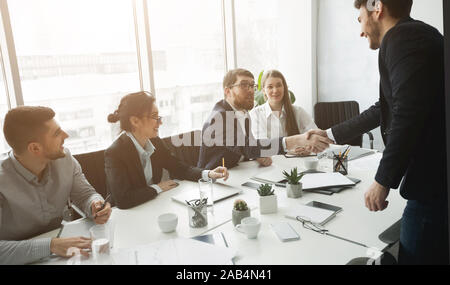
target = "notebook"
x: 313, y: 214
x: 220, y: 192
x: 325, y: 180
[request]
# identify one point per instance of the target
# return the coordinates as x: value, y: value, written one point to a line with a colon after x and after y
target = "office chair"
x: 328, y: 114
x: 186, y: 153
x: 391, y: 236
x: 93, y: 166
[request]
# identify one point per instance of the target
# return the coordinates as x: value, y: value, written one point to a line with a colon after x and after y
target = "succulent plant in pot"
x: 240, y: 211
x: 267, y: 199
x: 294, y: 188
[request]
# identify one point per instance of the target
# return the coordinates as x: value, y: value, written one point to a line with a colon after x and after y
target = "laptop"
x: 220, y: 192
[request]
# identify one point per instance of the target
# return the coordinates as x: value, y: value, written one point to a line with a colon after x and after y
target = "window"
x: 3, y: 110
x: 79, y: 58
x: 273, y: 34
x: 189, y: 35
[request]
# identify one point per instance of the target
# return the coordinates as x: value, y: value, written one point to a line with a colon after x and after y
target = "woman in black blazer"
x: 134, y: 162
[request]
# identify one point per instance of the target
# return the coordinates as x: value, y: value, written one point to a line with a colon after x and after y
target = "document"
x: 77, y: 228
x: 180, y: 251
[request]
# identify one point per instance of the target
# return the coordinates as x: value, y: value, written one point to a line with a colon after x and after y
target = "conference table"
x: 138, y: 226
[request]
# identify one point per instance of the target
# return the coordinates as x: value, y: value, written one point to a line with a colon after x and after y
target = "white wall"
x: 347, y: 68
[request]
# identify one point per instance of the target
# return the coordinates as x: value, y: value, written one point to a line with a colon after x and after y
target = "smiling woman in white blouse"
x: 278, y: 117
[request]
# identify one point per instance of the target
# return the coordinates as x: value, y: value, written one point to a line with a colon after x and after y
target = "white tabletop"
x: 138, y: 226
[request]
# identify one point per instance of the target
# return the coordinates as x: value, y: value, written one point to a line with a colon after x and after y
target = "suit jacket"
x: 410, y: 111
x: 223, y: 137
x: 125, y: 175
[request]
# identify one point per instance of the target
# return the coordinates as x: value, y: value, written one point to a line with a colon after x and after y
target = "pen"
x: 103, y: 206
x: 346, y: 153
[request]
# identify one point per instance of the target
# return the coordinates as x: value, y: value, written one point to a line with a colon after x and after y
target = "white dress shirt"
x: 267, y: 125
x: 144, y: 156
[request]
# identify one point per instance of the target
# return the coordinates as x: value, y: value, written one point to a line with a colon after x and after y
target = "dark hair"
x: 24, y: 125
x: 397, y: 8
x: 291, y: 123
x: 231, y: 76
x: 134, y: 104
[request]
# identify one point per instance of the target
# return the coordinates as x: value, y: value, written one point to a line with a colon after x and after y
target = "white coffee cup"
x: 168, y: 222
x: 311, y: 163
x: 249, y: 226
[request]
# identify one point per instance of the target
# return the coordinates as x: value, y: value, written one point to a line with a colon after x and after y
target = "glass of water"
x: 206, y: 191
x: 100, y: 235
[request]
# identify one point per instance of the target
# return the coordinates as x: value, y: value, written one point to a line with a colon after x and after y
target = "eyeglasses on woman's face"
x: 157, y: 118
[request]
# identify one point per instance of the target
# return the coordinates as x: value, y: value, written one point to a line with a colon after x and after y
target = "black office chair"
x: 187, y: 153
x: 328, y: 114
x: 390, y: 236
x: 93, y: 166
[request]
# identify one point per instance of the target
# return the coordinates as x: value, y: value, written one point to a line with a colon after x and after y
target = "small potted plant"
x: 240, y: 211
x: 267, y: 199
x: 294, y: 188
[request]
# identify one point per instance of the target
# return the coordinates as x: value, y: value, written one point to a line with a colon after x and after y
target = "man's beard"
x: 244, y: 104
x: 55, y: 155
x: 375, y: 37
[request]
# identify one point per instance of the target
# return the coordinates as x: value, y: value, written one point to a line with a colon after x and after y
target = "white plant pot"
x: 268, y: 204
x: 294, y: 191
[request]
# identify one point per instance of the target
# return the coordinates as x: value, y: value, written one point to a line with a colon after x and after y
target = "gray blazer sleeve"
x: 25, y: 251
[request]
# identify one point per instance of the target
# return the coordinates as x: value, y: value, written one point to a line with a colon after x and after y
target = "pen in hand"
x: 103, y: 206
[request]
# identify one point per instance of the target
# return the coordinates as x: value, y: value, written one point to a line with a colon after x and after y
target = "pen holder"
x: 197, y: 212
x: 340, y: 165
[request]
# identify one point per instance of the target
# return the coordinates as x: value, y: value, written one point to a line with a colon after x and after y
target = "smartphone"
x: 325, y: 206
x: 285, y: 232
x: 251, y: 185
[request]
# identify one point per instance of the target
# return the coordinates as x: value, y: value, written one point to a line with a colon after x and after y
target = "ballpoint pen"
x: 104, y: 204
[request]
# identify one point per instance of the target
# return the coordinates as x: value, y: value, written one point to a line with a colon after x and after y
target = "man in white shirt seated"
x: 37, y: 178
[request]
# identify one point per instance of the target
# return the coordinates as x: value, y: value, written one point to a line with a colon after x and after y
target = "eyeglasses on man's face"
x: 244, y: 85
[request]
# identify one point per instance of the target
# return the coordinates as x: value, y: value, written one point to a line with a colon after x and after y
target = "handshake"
x: 313, y: 141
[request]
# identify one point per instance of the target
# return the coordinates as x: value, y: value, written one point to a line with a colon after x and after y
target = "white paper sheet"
x: 322, y: 180
x: 77, y: 228
x: 175, y: 252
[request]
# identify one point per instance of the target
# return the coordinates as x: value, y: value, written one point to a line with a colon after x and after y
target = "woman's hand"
x: 264, y: 161
x: 167, y: 185
x: 219, y: 172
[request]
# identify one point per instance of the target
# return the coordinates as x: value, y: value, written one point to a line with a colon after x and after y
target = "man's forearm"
x: 23, y: 252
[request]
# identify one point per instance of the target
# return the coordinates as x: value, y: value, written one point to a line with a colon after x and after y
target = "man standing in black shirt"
x: 411, y: 113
